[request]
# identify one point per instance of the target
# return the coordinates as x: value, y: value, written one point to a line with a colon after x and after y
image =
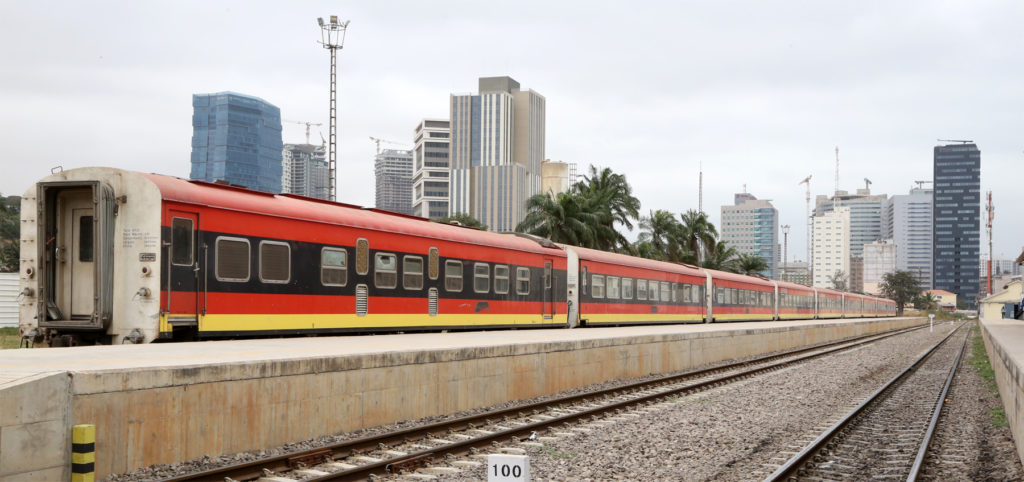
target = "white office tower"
x: 831, y: 246
x: 431, y: 168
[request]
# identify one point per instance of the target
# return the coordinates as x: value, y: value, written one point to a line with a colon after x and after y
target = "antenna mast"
x: 810, y: 221
x: 991, y: 209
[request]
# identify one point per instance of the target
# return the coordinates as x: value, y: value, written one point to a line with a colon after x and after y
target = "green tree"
x: 699, y: 236
x: 838, y: 280
x: 562, y: 219
x: 10, y: 233
x: 901, y: 287
x: 463, y: 219
x: 926, y: 301
x: 661, y: 231
x: 722, y: 257
x: 610, y: 196
x: 750, y: 264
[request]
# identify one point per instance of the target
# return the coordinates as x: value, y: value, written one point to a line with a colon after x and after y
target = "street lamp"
x: 332, y: 37
x: 785, y: 249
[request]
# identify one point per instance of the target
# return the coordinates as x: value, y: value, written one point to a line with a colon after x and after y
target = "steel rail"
x: 923, y: 451
x: 255, y: 469
x: 790, y: 468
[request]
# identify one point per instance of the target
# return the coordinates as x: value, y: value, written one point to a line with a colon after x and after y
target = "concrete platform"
x: 1004, y: 340
x: 162, y: 403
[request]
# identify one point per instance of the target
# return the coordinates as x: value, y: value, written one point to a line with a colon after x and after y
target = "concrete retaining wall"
x: 35, y: 429
x: 152, y: 416
x: 1004, y: 341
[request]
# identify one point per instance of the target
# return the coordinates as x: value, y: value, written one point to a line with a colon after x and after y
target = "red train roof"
x: 741, y: 278
x: 315, y: 210
x: 587, y: 254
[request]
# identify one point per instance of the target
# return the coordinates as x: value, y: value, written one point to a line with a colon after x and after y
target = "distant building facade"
x: 865, y: 226
x: 497, y: 146
x: 907, y: 220
x: 957, y: 221
x: 304, y: 171
x: 236, y: 139
x: 831, y: 245
x: 795, y: 272
x: 431, y: 170
x: 393, y: 171
x: 879, y: 259
x: 752, y: 227
x: 556, y: 176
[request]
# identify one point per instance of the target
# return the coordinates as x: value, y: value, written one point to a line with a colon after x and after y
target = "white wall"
x: 8, y: 299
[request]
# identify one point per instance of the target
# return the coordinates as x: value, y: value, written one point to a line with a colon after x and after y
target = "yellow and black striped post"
x: 83, y: 453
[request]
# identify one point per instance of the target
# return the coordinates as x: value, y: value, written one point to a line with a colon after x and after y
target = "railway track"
x: 887, y: 435
x: 420, y: 447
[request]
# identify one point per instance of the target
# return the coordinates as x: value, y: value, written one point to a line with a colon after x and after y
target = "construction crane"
x: 920, y: 184
x: 307, y: 124
x: 378, y: 141
x: 867, y: 183
x: 991, y: 210
x: 956, y: 140
x: 810, y: 263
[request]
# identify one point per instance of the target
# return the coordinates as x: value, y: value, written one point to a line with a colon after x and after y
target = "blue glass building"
x: 236, y: 138
x: 956, y: 221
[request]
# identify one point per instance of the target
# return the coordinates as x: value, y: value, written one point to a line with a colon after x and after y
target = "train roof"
x: 588, y: 254
x: 317, y: 210
x: 741, y: 278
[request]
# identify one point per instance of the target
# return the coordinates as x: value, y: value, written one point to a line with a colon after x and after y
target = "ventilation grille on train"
x: 432, y: 303
x: 361, y: 300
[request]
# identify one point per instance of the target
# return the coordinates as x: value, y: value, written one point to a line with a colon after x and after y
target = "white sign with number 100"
x: 508, y: 468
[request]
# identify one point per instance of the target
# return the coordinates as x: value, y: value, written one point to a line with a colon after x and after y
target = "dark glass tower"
x: 236, y: 138
x: 956, y: 221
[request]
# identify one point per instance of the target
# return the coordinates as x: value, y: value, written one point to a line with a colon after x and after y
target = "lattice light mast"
x: 332, y: 37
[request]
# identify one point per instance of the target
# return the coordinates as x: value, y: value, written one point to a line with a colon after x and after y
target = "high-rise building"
x: 497, y: 146
x: 907, y: 220
x: 865, y: 226
x: 879, y: 259
x: 304, y: 171
x: 431, y: 169
x: 957, y: 221
x: 751, y: 226
x: 393, y: 170
x: 236, y: 139
x: 831, y: 246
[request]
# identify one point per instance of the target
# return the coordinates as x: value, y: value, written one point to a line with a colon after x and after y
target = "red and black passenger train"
x: 114, y: 256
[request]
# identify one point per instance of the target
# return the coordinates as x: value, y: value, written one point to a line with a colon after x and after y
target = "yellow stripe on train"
x: 640, y: 317
x: 327, y: 321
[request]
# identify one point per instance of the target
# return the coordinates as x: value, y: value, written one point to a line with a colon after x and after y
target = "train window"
x: 652, y: 290
x: 481, y: 277
x: 275, y: 262
x: 522, y: 281
x: 85, y: 251
x: 641, y: 289
x: 333, y: 267
x: 181, y: 241
x: 232, y: 259
x: 385, y: 270
x: 597, y: 286
x: 453, y: 276
x: 627, y: 288
x: 666, y: 293
x: 612, y: 288
x: 412, y: 272
x: 687, y: 296
x: 432, y: 266
x: 585, y: 279
x: 677, y: 292
x: 362, y: 256
x: 500, y: 279
x: 547, y: 275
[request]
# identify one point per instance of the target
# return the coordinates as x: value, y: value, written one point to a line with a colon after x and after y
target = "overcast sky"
x: 761, y: 93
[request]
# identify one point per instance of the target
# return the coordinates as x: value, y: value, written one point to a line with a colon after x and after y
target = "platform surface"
x: 22, y: 363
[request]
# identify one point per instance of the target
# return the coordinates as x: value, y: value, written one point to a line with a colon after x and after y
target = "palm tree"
x: 661, y: 231
x: 610, y: 195
x: 462, y: 219
x: 698, y: 235
x: 562, y: 219
x: 722, y: 257
x: 750, y: 264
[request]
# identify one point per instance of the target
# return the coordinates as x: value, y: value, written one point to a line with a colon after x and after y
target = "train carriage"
x: 617, y: 289
x: 830, y: 303
x: 795, y: 301
x: 737, y: 297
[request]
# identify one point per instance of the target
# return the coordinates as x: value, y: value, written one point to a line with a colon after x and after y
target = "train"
x: 111, y: 256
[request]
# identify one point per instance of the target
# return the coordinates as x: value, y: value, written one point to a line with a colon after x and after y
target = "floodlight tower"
x: 785, y: 250
x: 332, y: 37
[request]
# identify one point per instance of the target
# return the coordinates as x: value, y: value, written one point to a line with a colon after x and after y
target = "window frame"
x: 520, y: 278
x: 505, y: 278
x: 343, y: 269
x: 248, y: 264
x: 191, y: 241
x: 259, y: 262
x: 447, y: 277
x: 486, y: 276
x: 627, y: 282
x: 594, y: 284
x: 405, y: 271
x: 377, y: 271
x: 608, y: 282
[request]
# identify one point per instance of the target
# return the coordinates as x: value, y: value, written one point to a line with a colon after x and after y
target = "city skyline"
x: 766, y: 108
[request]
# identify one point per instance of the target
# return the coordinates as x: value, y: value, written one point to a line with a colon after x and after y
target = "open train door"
x: 183, y: 302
